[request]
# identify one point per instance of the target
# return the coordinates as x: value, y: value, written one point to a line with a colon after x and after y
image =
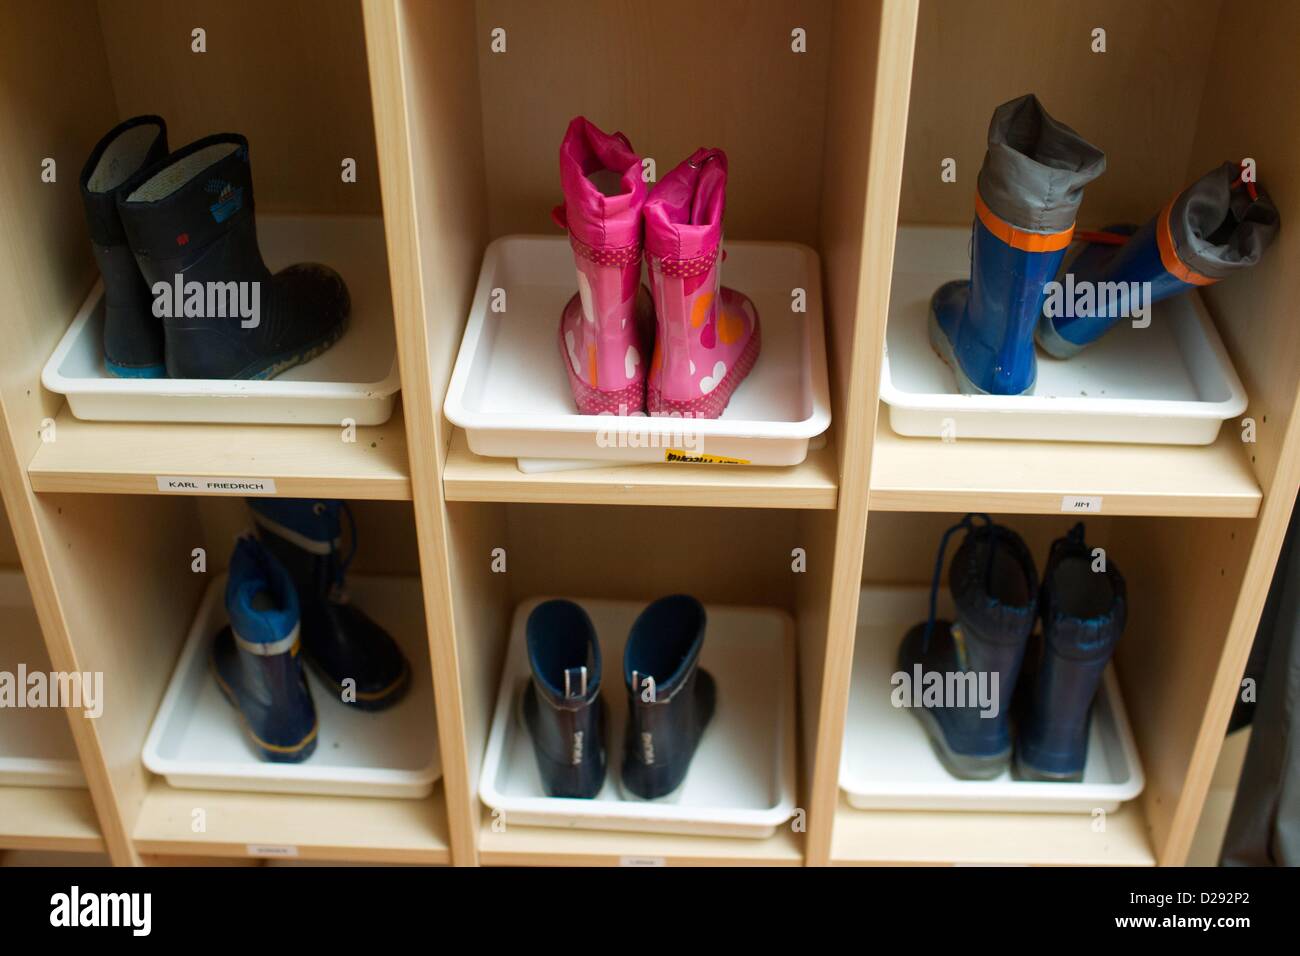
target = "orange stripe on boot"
x: 1169, y: 255
x: 1019, y: 238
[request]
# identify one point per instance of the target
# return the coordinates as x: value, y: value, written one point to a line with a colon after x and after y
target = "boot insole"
x: 122, y: 157
x: 181, y: 172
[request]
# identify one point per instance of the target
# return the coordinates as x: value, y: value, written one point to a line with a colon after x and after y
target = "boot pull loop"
x: 560, y: 217
x: 968, y: 522
x: 572, y: 675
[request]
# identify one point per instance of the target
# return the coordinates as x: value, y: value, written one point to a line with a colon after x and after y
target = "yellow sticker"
x: 690, y: 458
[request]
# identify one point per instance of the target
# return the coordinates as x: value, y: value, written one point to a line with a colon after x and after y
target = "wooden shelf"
x: 896, y: 837
x: 304, y: 460
x: 812, y: 484
x: 1022, y: 477
x: 555, y: 846
x: 48, y: 818
x: 361, y: 829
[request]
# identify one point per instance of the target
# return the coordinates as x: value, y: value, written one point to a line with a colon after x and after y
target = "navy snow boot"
x: 191, y: 225
x: 670, y: 700
x: 1083, y: 613
x: 341, y: 641
x: 964, y: 712
x: 133, y: 335
x: 255, y: 660
x: 561, y: 706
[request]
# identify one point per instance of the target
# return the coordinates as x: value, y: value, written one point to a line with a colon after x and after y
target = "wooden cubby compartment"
x: 456, y: 143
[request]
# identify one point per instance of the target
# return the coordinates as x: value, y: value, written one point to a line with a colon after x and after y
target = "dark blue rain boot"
x: 561, y: 705
x: 341, y: 642
x: 966, y: 670
x: 670, y: 700
x: 1083, y: 617
x: 191, y: 226
x: 133, y: 335
x: 1214, y: 228
x: 255, y: 660
x: 1029, y: 189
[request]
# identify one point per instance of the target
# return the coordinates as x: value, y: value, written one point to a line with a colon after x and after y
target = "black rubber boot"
x: 340, y: 640
x: 191, y: 226
x: 561, y: 706
x: 133, y: 335
x: 670, y: 700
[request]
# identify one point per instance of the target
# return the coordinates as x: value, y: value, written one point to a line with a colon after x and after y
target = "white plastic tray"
x: 1171, y: 383
x: 356, y: 378
x: 888, y: 763
x: 741, y: 781
x: 36, y: 748
x: 197, y: 740
x: 510, y: 394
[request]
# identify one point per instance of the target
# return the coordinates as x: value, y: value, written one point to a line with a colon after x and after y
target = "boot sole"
x: 943, y: 348
x: 962, y: 766
x: 1022, y: 771
x: 366, y: 700
x: 283, y: 363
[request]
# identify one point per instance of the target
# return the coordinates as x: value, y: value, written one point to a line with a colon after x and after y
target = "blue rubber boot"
x: 347, y: 649
x: 1029, y: 189
x: 133, y: 335
x: 190, y: 223
x: 966, y: 670
x: 561, y: 705
x: 1083, y: 612
x: 670, y: 700
x: 255, y: 659
x: 1216, y: 227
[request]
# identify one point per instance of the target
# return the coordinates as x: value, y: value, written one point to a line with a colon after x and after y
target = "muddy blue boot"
x: 1216, y: 227
x: 133, y: 335
x: 1084, y: 608
x: 347, y: 649
x: 670, y: 700
x: 1028, y: 191
x: 190, y: 223
x: 962, y: 673
x: 255, y: 660
x: 561, y: 706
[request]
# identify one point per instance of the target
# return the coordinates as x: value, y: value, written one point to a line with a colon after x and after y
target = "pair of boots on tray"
x: 1083, y: 606
x: 683, y: 349
x: 1028, y: 192
x: 186, y: 293
x: 286, y: 599
x: 670, y: 699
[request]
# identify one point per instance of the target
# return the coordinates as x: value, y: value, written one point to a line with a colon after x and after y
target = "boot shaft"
x: 1214, y: 228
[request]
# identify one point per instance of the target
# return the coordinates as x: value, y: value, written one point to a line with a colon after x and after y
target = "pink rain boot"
x: 601, y: 327
x: 708, y: 337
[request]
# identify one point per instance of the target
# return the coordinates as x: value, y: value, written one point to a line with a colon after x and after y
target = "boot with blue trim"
x: 133, y: 335
x: 1218, y: 226
x: 1084, y: 609
x: 561, y: 706
x: 190, y: 223
x: 670, y: 699
x: 1028, y: 192
x: 963, y: 672
x: 348, y: 650
x: 256, y: 658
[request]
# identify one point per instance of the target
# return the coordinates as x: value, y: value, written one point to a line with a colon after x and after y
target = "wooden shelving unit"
x: 304, y: 461
x: 455, y: 147
x: 470, y: 477
x: 48, y: 818
x: 920, y: 474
